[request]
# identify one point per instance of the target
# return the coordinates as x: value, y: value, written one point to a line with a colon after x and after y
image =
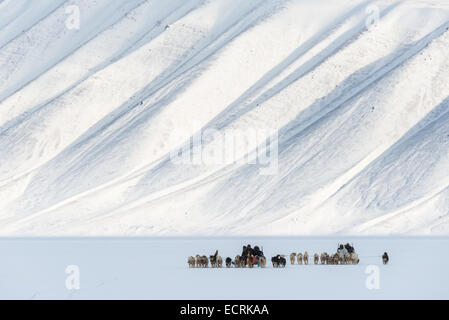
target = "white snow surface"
x: 88, y: 117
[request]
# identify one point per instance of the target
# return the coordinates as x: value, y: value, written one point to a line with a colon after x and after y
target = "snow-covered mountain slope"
x: 356, y: 93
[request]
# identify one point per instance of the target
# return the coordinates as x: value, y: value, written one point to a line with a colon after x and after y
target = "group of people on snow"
x: 255, y: 252
x: 347, y: 248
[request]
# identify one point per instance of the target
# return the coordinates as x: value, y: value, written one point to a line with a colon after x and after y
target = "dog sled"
x: 251, y: 258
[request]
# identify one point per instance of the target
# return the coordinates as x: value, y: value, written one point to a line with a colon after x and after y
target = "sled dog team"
x: 254, y: 257
x: 325, y: 258
x: 203, y: 262
x: 278, y: 261
x: 250, y: 257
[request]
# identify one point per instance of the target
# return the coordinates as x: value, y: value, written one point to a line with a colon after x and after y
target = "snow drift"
x: 355, y: 91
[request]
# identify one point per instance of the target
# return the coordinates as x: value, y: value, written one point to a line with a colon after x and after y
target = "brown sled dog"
x: 250, y: 261
x: 306, y: 257
x: 191, y: 262
x: 299, y: 256
x: 262, y: 262
x: 202, y: 261
x: 219, y: 262
x: 292, y: 258
x: 323, y: 258
x: 236, y: 261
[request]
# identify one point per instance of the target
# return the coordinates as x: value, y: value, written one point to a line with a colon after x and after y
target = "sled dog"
x: 292, y: 258
x: 306, y: 257
x: 262, y: 262
x: 219, y: 262
x: 191, y: 262
x: 299, y: 257
x: 385, y: 258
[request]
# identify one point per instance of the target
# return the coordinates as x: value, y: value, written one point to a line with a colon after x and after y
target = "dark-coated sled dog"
x: 278, y: 261
x: 385, y: 258
x: 213, y: 259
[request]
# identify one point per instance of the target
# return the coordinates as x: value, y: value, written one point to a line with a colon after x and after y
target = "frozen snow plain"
x: 156, y: 268
x: 89, y: 117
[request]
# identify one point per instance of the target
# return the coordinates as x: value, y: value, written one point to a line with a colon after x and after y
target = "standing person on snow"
x: 344, y: 251
x: 349, y: 248
x: 244, y: 252
x: 257, y: 252
x: 250, y: 250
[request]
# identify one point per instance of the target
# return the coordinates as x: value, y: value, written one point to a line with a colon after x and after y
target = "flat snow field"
x: 156, y: 268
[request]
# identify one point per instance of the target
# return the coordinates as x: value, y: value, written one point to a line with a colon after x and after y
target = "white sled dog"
x: 219, y: 262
